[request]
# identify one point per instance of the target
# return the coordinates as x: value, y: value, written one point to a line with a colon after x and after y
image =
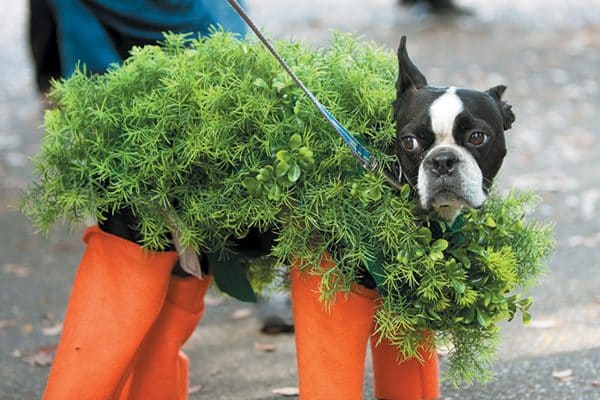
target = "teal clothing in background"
x: 99, y: 33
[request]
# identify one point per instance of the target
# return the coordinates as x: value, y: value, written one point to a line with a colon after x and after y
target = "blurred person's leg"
x: 436, y: 7
x: 43, y: 44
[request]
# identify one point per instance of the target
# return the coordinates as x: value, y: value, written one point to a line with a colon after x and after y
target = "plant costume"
x: 211, y: 140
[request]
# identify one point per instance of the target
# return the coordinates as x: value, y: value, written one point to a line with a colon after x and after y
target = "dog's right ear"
x: 508, y: 117
x: 409, y: 76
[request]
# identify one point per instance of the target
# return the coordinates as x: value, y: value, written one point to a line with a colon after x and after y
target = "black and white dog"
x: 450, y: 141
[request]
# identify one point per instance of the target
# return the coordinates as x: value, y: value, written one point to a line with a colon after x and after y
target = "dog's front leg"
x: 117, y: 294
x: 330, y: 346
x: 129, y: 312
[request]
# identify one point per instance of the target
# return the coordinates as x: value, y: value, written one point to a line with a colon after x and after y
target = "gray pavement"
x: 547, y: 52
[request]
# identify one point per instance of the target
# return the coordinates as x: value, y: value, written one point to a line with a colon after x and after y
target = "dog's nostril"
x: 444, y: 163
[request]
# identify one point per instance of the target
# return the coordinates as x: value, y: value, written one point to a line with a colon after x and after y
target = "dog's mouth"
x: 449, y: 193
x: 447, y: 198
x: 447, y: 203
x: 450, y: 198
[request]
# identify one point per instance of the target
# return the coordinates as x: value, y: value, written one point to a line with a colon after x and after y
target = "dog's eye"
x: 477, y: 138
x: 409, y: 143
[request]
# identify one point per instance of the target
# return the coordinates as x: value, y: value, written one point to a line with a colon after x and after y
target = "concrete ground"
x: 546, y: 51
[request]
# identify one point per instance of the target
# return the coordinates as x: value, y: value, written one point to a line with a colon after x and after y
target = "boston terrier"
x: 450, y: 141
x: 450, y: 145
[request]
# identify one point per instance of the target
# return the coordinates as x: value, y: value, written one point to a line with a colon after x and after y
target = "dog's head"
x: 450, y: 141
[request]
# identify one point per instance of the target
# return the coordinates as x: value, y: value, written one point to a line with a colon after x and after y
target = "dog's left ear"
x: 508, y: 117
x: 409, y: 76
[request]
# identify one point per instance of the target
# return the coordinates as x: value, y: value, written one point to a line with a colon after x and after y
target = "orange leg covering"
x: 160, y: 369
x: 397, y: 379
x: 117, y: 295
x: 330, y: 346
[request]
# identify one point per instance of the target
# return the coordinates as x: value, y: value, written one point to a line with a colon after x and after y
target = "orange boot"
x: 397, y: 379
x: 330, y: 346
x: 117, y: 295
x: 160, y: 370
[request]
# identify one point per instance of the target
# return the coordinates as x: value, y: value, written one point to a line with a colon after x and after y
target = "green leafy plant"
x: 210, y: 137
x: 284, y: 172
x: 470, y: 276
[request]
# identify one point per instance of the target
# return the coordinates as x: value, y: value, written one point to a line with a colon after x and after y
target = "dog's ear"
x: 409, y: 76
x: 508, y: 117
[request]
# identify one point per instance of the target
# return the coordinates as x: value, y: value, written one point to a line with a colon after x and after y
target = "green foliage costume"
x: 212, y: 138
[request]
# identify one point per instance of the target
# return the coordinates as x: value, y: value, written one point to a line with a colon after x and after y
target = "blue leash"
x: 359, y: 151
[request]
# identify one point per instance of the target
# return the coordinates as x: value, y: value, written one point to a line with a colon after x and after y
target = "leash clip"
x: 371, y: 165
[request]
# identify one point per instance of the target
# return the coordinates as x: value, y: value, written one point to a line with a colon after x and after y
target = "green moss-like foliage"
x: 213, y: 138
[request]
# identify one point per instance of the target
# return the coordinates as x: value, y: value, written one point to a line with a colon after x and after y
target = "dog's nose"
x: 444, y: 163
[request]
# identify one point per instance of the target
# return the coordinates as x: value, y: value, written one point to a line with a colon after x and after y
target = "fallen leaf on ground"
x: 542, y: 323
x: 52, y: 330
x: 194, y: 389
x: 563, y: 375
x: 265, y: 347
x: 241, y: 313
x: 18, y: 270
x: 26, y: 329
x: 42, y: 357
x: 7, y: 323
x: 65, y: 246
x: 287, y: 391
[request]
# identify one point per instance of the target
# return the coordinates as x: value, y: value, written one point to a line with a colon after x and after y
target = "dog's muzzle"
x: 450, y: 177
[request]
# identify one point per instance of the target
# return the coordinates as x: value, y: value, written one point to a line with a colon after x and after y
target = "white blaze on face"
x: 467, y: 183
x: 442, y: 112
